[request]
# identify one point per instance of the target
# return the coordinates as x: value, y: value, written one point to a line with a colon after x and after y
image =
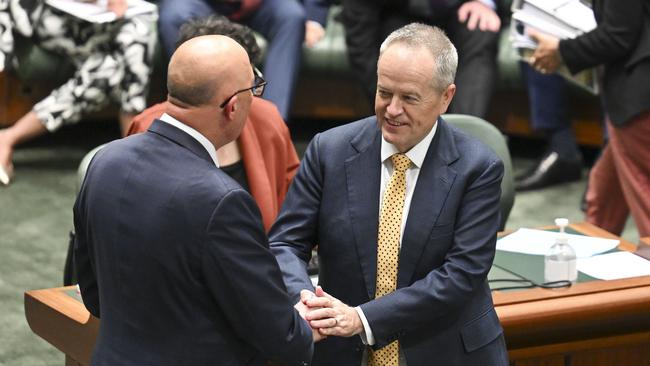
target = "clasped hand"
x: 327, y: 315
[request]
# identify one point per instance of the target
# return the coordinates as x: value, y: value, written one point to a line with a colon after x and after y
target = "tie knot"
x: 401, y: 162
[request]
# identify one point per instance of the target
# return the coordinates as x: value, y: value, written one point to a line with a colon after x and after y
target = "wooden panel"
x: 510, y: 112
x: 637, y: 356
x: 541, y: 361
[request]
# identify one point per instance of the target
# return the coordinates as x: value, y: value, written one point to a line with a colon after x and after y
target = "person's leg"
x: 606, y: 206
x: 133, y: 54
x: 630, y: 145
x: 363, y: 25
x: 548, y: 101
x: 282, y: 22
x: 172, y: 14
x: 476, y: 75
x: 25, y: 129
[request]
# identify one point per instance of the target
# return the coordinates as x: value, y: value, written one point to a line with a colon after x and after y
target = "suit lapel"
x: 432, y: 188
x: 180, y: 137
x: 363, y: 173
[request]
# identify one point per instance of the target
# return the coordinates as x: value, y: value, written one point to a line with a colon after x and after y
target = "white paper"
x: 538, y: 242
x: 96, y: 12
x: 613, y: 266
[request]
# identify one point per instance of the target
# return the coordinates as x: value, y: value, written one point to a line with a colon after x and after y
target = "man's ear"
x: 231, y: 108
x: 447, y: 96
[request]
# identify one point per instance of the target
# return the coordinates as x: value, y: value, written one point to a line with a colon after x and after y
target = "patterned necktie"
x: 390, y: 227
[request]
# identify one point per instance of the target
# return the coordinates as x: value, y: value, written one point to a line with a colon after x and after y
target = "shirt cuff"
x: 489, y: 3
x: 366, y: 336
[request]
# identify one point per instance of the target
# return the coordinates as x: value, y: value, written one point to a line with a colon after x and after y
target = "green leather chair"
x: 492, y: 137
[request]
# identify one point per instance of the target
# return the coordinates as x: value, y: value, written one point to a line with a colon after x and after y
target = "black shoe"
x: 550, y: 170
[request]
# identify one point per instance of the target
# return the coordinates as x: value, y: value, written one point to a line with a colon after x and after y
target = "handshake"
x: 328, y: 316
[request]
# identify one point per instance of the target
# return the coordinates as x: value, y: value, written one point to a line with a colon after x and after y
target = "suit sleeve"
x: 294, y: 234
x: 464, y: 270
x: 616, y: 37
x: 247, y: 284
x: 317, y: 10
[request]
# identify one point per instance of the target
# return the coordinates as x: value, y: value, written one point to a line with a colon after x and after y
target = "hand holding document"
x: 103, y: 11
x: 560, y: 19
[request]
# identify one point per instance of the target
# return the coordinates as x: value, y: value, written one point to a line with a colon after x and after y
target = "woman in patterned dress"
x: 112, y: 62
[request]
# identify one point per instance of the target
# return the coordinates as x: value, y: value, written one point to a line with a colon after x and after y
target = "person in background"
x: 404, y: 209
x: 471, y: 25
x: 549, y: 114
x: 619, y: 182
x: 112, y: 62
x: 171, y: 251
x: 263, y: 159
x: 282, y: 22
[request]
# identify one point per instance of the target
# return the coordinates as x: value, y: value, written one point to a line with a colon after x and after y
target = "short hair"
x: 436, y: 41
x: 220, y: 25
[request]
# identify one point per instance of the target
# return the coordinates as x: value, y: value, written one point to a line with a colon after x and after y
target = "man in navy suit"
x: 440, y: 310
x: 171, y: 252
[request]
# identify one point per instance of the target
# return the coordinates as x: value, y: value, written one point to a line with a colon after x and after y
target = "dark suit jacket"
x: 442, y: 309
x: 622, y: 43
x: 173, y: 258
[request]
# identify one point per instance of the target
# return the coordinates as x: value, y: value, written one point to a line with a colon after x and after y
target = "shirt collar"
x: 417, y: 153
x: 194, y: 133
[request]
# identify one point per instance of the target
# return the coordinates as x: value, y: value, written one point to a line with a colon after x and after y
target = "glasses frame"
x: 257, y: 89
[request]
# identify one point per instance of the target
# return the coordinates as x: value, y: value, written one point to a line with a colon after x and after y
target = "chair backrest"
x: 83, y: 166
x: 492, y: 137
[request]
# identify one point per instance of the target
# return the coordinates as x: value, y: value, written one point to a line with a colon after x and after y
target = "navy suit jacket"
x: 173, y: 258
x: 442, y: 309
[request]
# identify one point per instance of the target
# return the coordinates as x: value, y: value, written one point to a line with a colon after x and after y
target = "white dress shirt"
x: 194, y: 133
x: 417, y: 154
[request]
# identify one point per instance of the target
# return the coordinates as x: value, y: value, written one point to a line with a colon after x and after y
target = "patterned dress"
x: 112, y: 60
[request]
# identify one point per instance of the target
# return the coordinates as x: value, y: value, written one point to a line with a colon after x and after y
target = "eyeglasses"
x: 257, y: 89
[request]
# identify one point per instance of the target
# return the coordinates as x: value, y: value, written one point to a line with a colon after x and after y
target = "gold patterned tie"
x: 390, y: 227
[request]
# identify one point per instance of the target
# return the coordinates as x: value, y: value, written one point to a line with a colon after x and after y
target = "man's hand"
x: 314, y: 32
x: 478, y: 14
x: 331, y: 316
x: 118, y: 7
x: 546, y: 58
x: 303, y: 309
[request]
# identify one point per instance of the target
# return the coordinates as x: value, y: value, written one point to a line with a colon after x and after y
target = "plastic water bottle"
x: 560, y: 261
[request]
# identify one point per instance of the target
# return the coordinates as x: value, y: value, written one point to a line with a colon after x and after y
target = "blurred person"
x: 549, y: 114
x: 404, y: 209
x: 472, y: 26
x: 171, y: 252
x: 282, y: 22
x: 619, y: 182
x: 112, y: 62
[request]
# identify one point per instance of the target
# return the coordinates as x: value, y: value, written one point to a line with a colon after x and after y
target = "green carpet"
x: 36, y: 216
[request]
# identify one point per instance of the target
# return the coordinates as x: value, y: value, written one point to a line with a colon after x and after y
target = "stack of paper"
x: 538, y: 242
x: 563, y: 19
x: 95, y: 11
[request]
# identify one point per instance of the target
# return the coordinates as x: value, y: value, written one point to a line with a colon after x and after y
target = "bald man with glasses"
x: 171, y: 251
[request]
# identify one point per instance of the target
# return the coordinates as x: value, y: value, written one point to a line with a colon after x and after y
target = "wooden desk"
x: 593, y: 323
x: 59, y: 317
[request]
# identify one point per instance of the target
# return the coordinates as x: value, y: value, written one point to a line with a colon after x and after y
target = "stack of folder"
x: 563, y: 19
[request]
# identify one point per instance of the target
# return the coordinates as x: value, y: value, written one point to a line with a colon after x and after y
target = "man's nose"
x: 395, y: 106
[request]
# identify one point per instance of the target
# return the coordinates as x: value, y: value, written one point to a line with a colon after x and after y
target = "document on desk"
x: 538, y: 242
x: 613, y: 266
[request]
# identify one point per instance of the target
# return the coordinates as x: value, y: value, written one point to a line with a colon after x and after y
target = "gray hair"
x: 436, y: 41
